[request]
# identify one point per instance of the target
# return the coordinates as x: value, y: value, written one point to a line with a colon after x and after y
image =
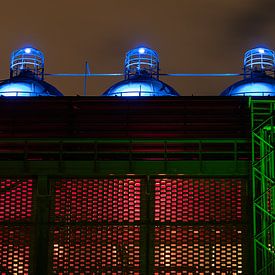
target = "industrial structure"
x: 259, y: 76
x: 140, y: 180
x: 27, y: 75
x: 141, y: 73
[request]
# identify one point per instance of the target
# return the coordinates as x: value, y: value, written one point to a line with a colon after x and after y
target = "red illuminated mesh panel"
x: 97, y: 200
x: 194, y: 200
x: 15, y: 250
x: 198, y: 250
x: 16, y: 200
x: 96, y: 250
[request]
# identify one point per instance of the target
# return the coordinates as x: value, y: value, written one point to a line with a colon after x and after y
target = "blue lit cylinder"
x: 259, y: 59
x: 27, y: 61
x: 141, y: 60
x: 27, y: 76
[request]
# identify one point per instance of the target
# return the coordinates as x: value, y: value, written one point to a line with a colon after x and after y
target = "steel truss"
x: 263, y: 180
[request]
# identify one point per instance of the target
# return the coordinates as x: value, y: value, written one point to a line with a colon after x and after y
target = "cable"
x: 122, y: 74
x: 82, y: 75
x: 227, y: 74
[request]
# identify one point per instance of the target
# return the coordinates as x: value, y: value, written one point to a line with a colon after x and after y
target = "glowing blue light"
x: 17, y: 89
x: 141, y: 50
x: 141, y: 88
x: 259, y: 59
x: 27, y: 59
x: 27, y: 88
x: 261, y: 50
x: 28, y: 50
x: 254, y: 89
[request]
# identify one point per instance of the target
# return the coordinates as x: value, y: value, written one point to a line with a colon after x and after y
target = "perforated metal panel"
x: 16, y: 215
x: 103, y: 226
x: 97, y: 200
x: 157, y: 225
x: 113, y: 249
x: 15, y: 249
x: 16, y: 200
x: 198, y: 250
x: 97, y: 226
x: 198, y: 200
x: 199, y: 226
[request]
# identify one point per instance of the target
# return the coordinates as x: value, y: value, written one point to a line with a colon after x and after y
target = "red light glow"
x: 96, y: 250
x: 16, y: 200
x: 15, y: 249
x: 194, y: 200
x: 198, y: 250
x: 97, y: 200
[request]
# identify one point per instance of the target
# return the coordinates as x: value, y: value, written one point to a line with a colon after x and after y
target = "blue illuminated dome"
x: 141, y: 70
x: 27, y: 75
x: 259, y: 80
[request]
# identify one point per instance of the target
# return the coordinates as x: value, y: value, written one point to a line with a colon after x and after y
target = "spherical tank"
x: 27, y: 75
x: 141, y: 71
x: 141, y: 85
x: 254, y: 86
x: 259, y: 64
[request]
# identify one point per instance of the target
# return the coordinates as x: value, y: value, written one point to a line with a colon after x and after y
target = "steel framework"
x: 263, y: 129
x: 104, y: 186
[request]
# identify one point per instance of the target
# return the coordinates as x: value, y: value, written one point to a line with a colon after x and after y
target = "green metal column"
x: 263, y: 165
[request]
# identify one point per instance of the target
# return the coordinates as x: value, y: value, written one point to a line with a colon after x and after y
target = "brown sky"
x: 191, y: 36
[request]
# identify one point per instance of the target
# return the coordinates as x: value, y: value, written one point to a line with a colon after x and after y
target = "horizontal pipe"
x: 122, y: 74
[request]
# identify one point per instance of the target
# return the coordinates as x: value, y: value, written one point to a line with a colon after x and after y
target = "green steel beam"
x: 263, y: 141
x: 264, y: 211
x: 263, y: 165
x: 263, y: 175
x: 108, y: 140
x: 266, y: 248
x: 71, y: 168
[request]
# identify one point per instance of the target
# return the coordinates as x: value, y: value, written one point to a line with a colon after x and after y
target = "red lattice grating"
x: 105, y: 200
x: 194, y: 200
x: 16, y: 200
x: 15, y: 250
x: 96, y: 250
x: 198, y: 250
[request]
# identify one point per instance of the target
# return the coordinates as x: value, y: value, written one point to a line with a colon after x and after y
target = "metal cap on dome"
x: 259, y: 60
x: 28, y: 62
x: 140, y: 61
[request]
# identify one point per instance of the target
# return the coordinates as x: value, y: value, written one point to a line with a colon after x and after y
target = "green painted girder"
x: 263, y: 166
x: 89, y: 168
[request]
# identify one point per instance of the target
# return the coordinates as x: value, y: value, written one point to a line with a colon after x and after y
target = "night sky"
x: 199, y: 36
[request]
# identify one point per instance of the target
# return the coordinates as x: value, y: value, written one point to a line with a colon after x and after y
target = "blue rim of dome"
x: 260, y: 78
x: 165, y: 90
x: 48, y: 89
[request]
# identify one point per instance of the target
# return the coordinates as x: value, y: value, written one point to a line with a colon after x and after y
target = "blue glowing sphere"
x: 141, y: 86
x: 255, y: 86
x: 23, y: 86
